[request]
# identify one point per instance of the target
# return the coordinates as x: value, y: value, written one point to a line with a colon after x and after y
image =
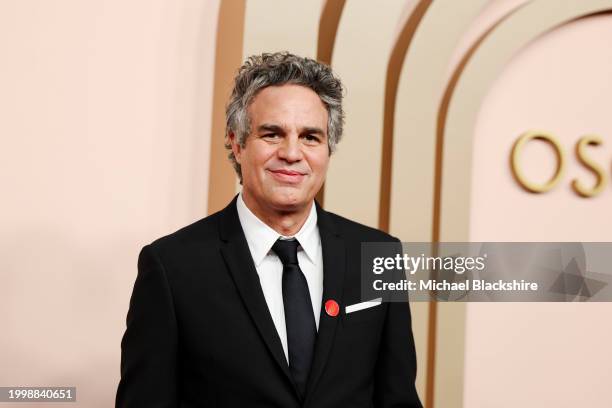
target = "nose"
x: 290, y: 149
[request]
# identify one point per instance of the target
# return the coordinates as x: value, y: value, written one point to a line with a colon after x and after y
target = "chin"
x: 289, y: 200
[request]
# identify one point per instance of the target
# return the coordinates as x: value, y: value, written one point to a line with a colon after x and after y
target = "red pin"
x: 332, y: 308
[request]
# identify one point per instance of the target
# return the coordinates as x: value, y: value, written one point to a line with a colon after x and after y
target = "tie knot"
x: 286, y: 251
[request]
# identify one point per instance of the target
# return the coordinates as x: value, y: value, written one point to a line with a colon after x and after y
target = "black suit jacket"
x: 199, y: 333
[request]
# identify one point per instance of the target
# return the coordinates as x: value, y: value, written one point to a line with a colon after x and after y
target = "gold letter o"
x: 518, y: 174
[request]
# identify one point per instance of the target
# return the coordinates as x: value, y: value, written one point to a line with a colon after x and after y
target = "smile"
x: 287, y: 176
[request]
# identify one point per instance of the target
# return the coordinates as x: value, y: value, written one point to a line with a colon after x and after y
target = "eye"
x: 270, y: 136
x: 312, y: 139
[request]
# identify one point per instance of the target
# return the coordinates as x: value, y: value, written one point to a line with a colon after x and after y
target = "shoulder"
x: 352, y: 230
x: 197, y: 236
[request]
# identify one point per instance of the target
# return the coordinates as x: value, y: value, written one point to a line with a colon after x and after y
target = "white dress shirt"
x: 260, y: 238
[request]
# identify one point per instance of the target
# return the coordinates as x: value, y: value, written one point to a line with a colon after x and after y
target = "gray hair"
x: 279, y: 68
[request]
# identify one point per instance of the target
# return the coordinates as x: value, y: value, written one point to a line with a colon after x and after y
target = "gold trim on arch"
x: 442, y: 113
x: 228, y: 58
x: 394, y: 69
x: 328, y: 28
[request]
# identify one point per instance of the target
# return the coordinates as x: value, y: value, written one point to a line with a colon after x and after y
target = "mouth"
x: 287, y: 176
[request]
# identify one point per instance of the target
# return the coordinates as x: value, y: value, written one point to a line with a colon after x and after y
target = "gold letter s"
x: 602, y: 180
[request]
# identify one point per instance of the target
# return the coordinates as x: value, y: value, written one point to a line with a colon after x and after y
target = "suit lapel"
x: 334, y: 254
x: 235, y: 252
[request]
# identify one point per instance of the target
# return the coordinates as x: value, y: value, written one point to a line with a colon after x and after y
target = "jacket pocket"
x: 369, y: 314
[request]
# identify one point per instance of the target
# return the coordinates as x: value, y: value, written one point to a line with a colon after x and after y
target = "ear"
x: 236, y: 148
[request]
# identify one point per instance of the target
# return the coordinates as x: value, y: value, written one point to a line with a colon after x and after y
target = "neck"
x: 286, y: 223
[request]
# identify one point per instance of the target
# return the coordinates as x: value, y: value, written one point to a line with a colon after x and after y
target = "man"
x: 247, y: 307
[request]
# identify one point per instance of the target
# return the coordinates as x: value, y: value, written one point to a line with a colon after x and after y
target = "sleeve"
x: 149, y: 345
x: 395, y: 375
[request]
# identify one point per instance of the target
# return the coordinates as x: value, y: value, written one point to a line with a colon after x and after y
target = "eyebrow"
x: 269, y: 127
x: 315, y: 130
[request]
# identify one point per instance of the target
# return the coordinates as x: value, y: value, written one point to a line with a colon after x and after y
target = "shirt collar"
x: 260, y: 237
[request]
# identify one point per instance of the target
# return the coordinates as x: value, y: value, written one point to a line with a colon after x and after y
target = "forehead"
x: 289, y: 105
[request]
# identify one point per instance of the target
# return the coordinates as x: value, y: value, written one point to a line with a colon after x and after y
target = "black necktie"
x: 299, y: 318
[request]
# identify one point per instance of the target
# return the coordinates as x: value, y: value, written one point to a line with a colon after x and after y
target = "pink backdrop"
x: 105, y: 136
x: 536, y: 355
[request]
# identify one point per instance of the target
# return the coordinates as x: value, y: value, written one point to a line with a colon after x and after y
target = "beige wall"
x: 271, y: 25
x: 105, y: 134
x: 360, y: 59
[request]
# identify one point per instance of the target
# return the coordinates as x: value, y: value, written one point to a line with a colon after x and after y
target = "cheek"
x: 319, y: 162
x: 258, y: 156
x: 265, y: 160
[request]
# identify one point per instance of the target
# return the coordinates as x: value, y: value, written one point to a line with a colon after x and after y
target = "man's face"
x: 285, y: 157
